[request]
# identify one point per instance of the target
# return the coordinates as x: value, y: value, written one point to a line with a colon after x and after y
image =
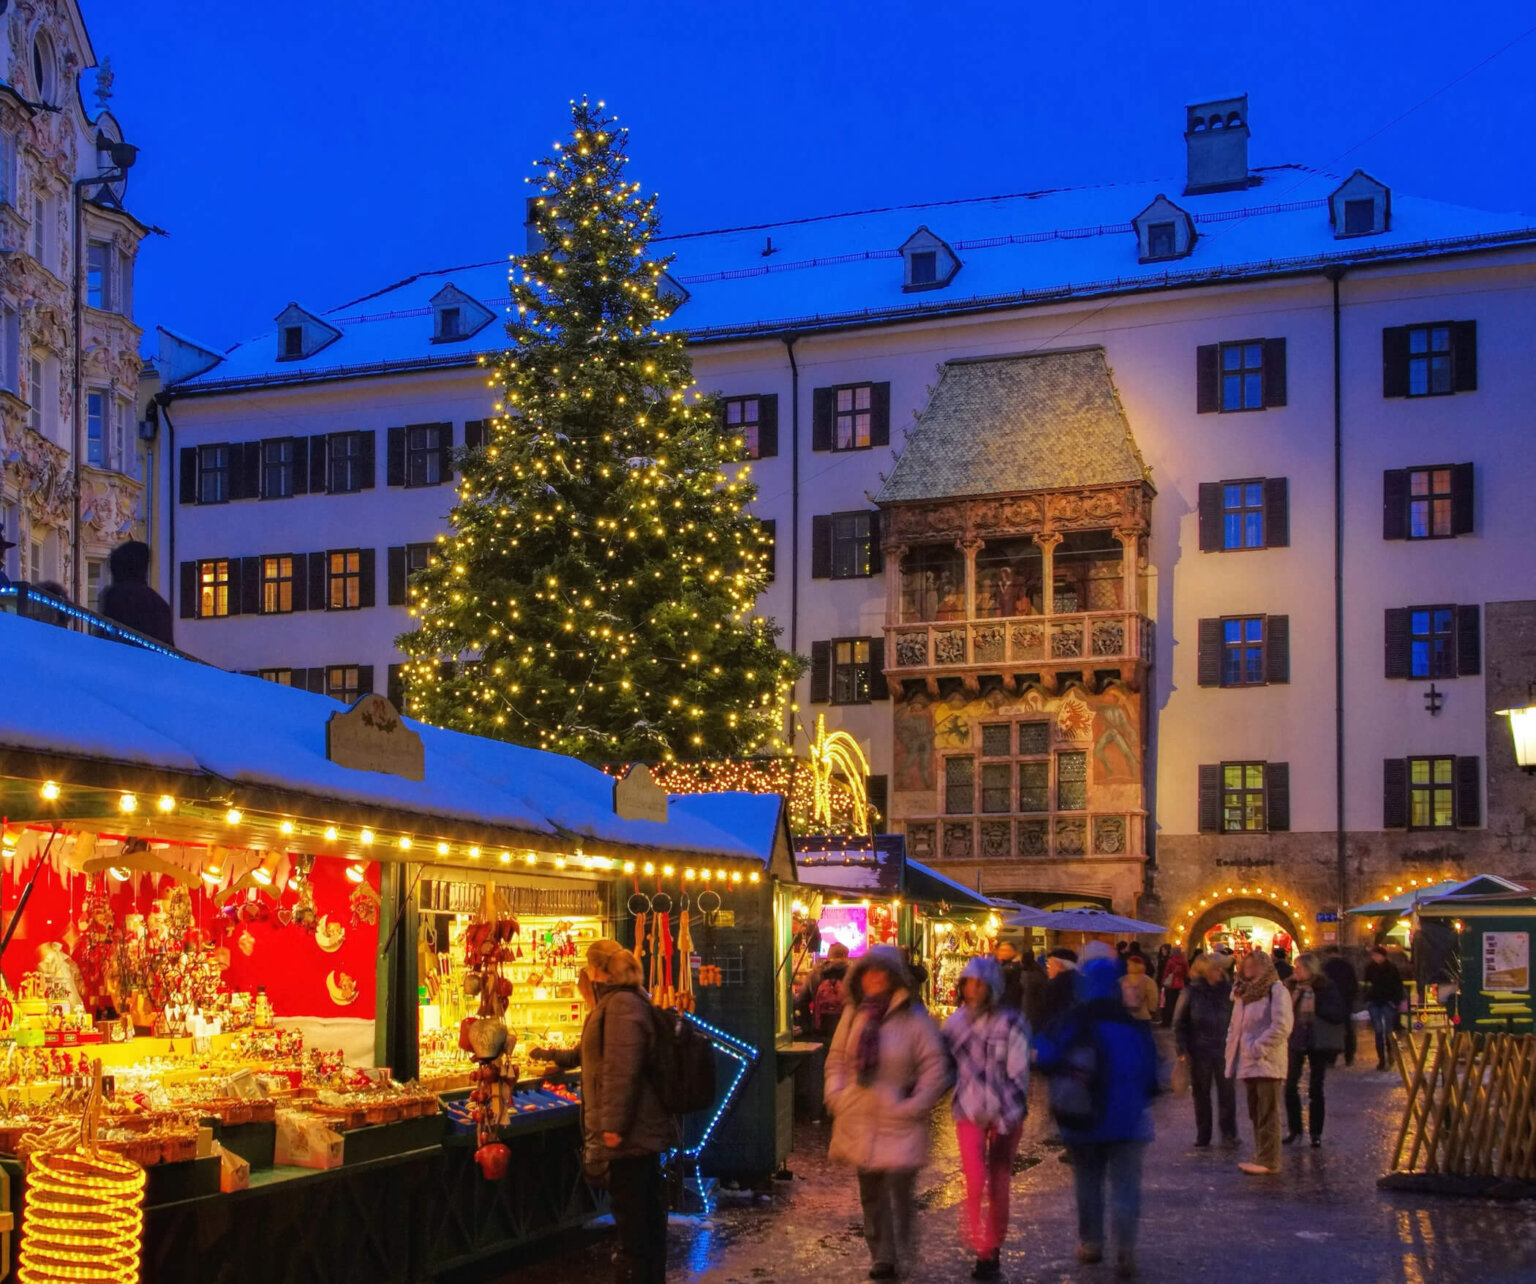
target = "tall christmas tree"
x: 595, y: 593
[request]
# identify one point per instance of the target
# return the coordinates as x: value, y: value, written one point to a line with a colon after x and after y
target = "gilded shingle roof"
x: 1007, y: 424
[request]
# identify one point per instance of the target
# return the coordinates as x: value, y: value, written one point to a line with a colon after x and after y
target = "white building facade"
x: 72, y: 474
x: 1162, y: 544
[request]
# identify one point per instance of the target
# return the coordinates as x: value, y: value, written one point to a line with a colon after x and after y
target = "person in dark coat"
x: 1384, y: 991
x: 1032, y: 984
x: 1283, y: 967
x: 1200, y: 1018
x: 1007, y: 956
x: 1317, y: 1037
x: 1059, y: 993
x: 625, y: 1127
x: 129, y: 600
x: 1342, y: 973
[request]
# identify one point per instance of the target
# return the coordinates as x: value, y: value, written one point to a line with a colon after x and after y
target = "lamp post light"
x: 1522, y: 727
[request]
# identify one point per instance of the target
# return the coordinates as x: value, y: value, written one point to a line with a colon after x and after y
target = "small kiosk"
x: 1493, y: 932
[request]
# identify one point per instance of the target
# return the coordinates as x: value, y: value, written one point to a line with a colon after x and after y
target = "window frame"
x: 970, y: 809
x: 747, y: 430
x: 283, y: 677
x: 1243, y: 373
x: 930, y: 263
x: 334, y: 690
x: 293, y: 342
x: 283, y: 467
x: 1243, y: 792
x: 35, y: 394
x: 344, y: 450
x: 349, y: 580
x: 1354, y: 203
x: 273, y: 582
x: 852, y: 414
x: 98, y: 283
x: 1441, y: 662
x: 852, y: 542
x: 852, y: 668
x: 97, y: 425
x: 1427, y: 329
x: 1430, y: 496
x: 1163, y: 227
x: 1243, y: 648
x: 1061, y: 779
x: 1431, y: 787
x: 210, y: 581
x: 427, y: 457
x: 1242, y: 511
x: 218, y: 473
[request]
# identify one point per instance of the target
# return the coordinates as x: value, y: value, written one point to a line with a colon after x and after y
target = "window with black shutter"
x: 851, y: 671
x: 394, y: 689
x: 277, y: 468
x: 319, y: 568
x: 849, y: 540
x: 420, y: 455
x: 821, y: 672
x: 1248, y: 374
x: 854, y: 416
x: 1429, y: 359
x: 1277, y: 796
x: 1244, y: 651
x: 213, y: 474
x: 1209, y: 805
x: 1431, y: 793
x: 475, y: 433
x: 344, y: 580
x: 1433, y: 502
x: 346, y: 682
x: 277, y: 586
x: 250, y: 586
x: 1433, y: 641
x: 216, y: 588
x: 1244, y: 796
x: 346, y: 454
x: 755, y: 420
x: 187, y: 493
x: 1469, y: 792
x: 403, y: 561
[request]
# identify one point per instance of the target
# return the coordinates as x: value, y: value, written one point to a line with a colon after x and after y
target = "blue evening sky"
x: 316, y: 150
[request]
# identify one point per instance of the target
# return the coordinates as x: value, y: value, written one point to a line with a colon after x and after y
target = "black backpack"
x: 682, y: 1064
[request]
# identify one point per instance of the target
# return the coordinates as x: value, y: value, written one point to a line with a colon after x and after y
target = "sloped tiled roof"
x: 843, y: 270
x: 1008, y: 424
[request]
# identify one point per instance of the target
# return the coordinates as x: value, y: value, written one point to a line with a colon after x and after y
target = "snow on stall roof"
x: 754, y: 819
x: 843, y: 268
x: 74, y: 695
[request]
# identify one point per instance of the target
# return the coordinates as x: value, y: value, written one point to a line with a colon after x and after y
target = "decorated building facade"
x: 72, y: 480
x: 1161, y: 544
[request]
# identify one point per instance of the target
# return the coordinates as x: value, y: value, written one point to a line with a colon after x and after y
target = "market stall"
x: 230, y: 891
x: 1473, y: 957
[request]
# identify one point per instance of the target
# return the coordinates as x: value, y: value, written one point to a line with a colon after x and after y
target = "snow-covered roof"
x: 755, y: 820
x: 81, y: 697
x: 846, y: 269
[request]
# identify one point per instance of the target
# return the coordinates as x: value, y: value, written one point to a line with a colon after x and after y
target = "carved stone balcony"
x: 1089, y: 639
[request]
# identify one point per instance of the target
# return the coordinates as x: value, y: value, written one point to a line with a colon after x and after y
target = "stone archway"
x: 1236, y: 906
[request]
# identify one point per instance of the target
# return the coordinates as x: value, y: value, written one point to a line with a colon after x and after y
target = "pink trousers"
x: 986, y: 1158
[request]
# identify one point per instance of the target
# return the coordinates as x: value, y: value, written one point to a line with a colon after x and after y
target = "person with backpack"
x: 989, y: 1051
x: 1101, y: 1068
x: 625, y: 1123
x: 827, y: 998
x: 1257, y: 1040
x: 1317, y: 1038
x: 886, y: 1070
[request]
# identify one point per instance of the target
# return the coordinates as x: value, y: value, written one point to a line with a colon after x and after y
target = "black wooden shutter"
x: 1399, y: 642
x: 876, y: 553
x: 1212, y: 518
x: 1394, y: 793
x: 394, y: 690
x: 1394, y: 361
x: 314, y: 679
x: 768, y: 426
x: 1461, y: 499
x: 188, y: 603
x: 1469, y: 641
x: 1277, y: 513
x: 234, y: 472
x: 1207, y: 378
x: 1277, y: 648
x: 880, y: 414
x: 364, y: 679
x: 821, y: 672
x: 1464, y: 355
x: 878, y: 690
x: 236, y: 587
x: 1469, y: 793
x: 395, y: 570
x: 1394, y: 504
x: 319, y: 583
x: 250, y: 585
x: 770, y: 528
x: 189, y: 474
x: 1208, y: 654
x: 821, y: 548
x: 367, y: 577
x: 394, y: 457
x: 300, y: 447
x: 1277, y: 796
x: 366, y: 481
x: 474, y: 434
x: 1274, y: 372
x: 821, y: 419
x: 251, y: 466
x: 317, y: 465
x: 300, y: 582
x: 1210, y: 798
x: 445, y: 451
x: 877, y: 792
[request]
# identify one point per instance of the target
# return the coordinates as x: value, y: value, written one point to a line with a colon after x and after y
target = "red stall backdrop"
x: 302, y: 978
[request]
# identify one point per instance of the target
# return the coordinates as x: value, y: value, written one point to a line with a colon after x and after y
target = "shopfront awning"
x: 927, y: 886
x: 1406, y: 902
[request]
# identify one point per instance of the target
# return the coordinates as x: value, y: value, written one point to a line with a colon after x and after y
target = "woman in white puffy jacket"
x: 1258, y: 1042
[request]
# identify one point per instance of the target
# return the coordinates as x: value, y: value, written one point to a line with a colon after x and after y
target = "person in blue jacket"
x: 1113, y: 1060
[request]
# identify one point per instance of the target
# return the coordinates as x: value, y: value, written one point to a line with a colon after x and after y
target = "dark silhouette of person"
x: 129, y: 599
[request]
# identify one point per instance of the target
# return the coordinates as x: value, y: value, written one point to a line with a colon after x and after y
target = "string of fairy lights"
x: 596, y: 592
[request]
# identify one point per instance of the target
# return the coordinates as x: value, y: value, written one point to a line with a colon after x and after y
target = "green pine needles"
x: 595, y: 595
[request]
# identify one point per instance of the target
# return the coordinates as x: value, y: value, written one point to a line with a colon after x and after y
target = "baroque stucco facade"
x: 71, y: 483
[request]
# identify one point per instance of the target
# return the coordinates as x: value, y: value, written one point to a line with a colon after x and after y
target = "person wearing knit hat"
x: 989, y: 1048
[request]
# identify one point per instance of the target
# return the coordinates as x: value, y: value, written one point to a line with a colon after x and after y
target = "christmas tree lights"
x: 595, y: 593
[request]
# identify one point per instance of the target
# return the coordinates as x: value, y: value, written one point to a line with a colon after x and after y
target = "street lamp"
x: 1522, y: 726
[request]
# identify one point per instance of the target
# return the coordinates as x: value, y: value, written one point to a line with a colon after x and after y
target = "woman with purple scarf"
x: 886, y: 1070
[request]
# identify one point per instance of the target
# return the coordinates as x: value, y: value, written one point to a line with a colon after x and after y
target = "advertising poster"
x: 845, y: 925
x: 1506, y: 961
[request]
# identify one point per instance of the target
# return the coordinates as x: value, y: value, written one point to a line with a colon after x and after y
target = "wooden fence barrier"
x: 1471, y: 1109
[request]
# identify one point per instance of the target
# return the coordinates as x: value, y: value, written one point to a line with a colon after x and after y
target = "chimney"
x: 1216, y: 134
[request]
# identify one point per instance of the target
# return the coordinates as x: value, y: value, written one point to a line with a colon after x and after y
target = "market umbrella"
x: 1407, y: 902
x: 1082, y: 920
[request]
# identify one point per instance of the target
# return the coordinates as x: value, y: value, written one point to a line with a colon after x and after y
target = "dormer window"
x: 456, y: 316
x: 1163, y: 231
x: 1361, y: 206
x: 301, y: 334
x: 928, y: 263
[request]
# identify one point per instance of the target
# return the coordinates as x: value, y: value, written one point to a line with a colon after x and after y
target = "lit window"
x: 283, y: 677
x: 343, y: 682
x: 213, y: 590
x: 1429, y: 503
x: 1242, y: 796
x: 1431, y: 793
x: 276, y: 585
x: 346, y: 580
x: 854, y: 415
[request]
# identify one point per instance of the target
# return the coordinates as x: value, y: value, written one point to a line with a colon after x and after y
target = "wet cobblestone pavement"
x: 1202, y: 1220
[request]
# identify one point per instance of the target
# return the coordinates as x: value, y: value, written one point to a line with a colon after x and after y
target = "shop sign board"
x: 1507, y: 961
x: 371, y: 736
x: 638, y: 797
x: 845, y: 925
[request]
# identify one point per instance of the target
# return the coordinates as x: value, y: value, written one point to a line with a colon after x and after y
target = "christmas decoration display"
x: 595, y: 593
